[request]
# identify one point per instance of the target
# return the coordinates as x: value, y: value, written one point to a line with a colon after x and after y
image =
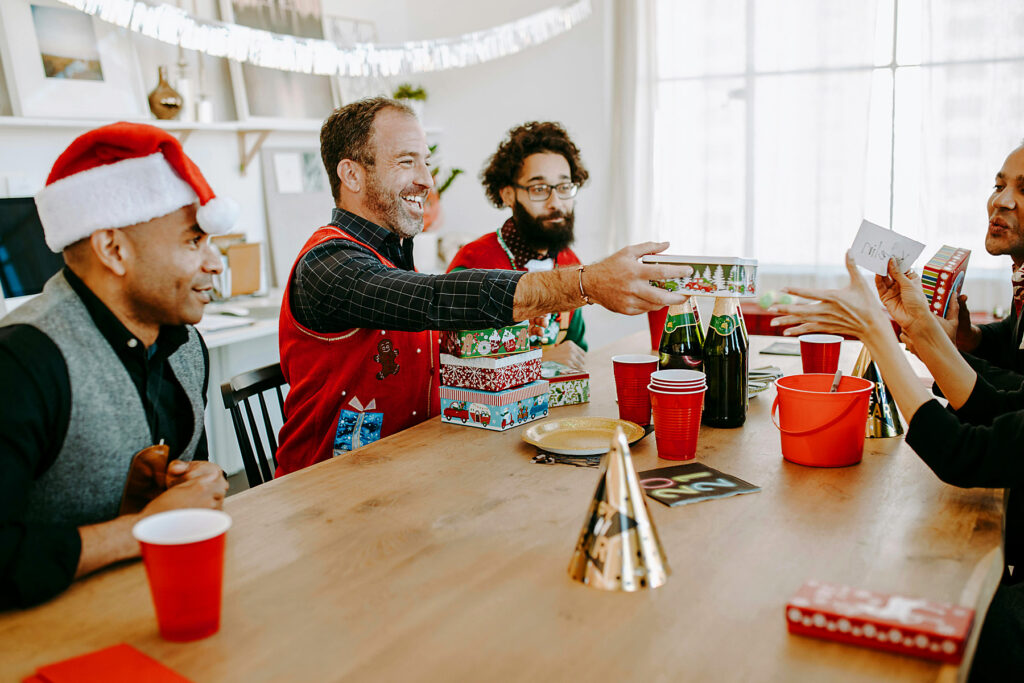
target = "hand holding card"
x: 874, y: 246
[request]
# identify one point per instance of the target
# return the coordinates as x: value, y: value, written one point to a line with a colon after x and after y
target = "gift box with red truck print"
x: 495, y: 410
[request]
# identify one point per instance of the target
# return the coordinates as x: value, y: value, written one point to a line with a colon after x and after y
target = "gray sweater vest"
x: 107, y: 425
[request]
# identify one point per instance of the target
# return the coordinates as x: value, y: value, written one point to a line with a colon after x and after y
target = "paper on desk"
x: 874, y: 246
x: 214, y: 322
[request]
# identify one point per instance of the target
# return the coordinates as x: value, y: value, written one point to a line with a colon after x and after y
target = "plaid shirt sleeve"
x: 338, y: 286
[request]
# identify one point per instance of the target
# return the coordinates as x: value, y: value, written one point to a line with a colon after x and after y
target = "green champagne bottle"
x: 725, y: 363
x: 682, y: 341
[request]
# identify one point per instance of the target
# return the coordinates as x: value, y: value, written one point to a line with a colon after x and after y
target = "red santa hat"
x: 124, y: 174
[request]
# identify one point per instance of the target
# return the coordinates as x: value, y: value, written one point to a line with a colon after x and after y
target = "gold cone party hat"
x: 619, y: 548
x: 883, y: 418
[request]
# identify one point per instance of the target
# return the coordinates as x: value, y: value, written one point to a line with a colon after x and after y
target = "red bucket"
x: 819, y: 428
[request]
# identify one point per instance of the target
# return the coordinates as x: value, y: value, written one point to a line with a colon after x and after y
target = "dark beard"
x: 539, y: 236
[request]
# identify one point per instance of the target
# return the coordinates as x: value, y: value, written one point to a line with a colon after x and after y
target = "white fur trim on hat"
x: 218, y: 215
x: 111, y: 196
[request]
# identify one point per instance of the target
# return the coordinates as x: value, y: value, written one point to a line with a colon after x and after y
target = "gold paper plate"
x: 579, y: 435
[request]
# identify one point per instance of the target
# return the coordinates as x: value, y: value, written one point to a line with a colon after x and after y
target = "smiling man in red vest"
x: 536, y: 172
x: 357, y: 321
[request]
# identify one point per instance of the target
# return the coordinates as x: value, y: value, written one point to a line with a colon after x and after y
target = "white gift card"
x: 874, y: 246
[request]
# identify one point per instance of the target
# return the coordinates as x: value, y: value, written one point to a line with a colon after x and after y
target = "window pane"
x: 808, y: 34
x: 696, y: 37
x: 947, y: 30
x: 821, y: 158
x: 699, y: 171
x: 954, y: 127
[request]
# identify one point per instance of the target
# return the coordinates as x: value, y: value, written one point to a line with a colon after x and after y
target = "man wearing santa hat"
x: 104, y: 378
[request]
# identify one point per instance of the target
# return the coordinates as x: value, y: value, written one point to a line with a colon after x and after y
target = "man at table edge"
x: 358, y: 346
x: 103, y: 364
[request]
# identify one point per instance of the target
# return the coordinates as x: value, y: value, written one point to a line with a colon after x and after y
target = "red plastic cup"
x: 632, y: 375
x: 183, y: 551
x: 677, y: 422
x: 656, y: 321
x: 820, y: 353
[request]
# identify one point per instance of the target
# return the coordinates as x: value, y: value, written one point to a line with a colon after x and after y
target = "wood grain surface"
x: 441, y: 553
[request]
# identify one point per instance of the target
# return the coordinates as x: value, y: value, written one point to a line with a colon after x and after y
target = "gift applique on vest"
x: 387, y: 356
x: 357, y: 426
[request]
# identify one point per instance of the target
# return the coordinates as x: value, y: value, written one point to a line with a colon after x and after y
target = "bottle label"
x: 683, y: 320
x: 724, y: 324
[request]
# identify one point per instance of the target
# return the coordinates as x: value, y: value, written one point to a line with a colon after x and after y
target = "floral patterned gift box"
x: 490, y: 342
x: 568, y: 386
x: 491, y: 373
x: 495, y: 410
x: 712, y: 275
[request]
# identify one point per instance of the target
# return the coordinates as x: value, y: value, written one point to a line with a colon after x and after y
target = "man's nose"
x: 212, y: 262
x: 423, y: 176
x: 1004, y: 198
x: 556, y: 203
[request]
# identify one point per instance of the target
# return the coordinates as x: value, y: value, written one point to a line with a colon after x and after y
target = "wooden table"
x: 441, y: 554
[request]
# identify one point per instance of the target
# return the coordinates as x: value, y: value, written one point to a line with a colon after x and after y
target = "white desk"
x: 232, y: 351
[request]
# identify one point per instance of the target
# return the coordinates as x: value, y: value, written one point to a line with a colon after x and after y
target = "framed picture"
x: 346, y: 32
x: 262, y: 93
x: 59, y: 62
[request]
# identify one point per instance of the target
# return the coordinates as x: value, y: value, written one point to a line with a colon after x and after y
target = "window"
x: 780, y: 124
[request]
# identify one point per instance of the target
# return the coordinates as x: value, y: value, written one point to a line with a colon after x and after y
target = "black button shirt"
x: 340, y: 285
x: 39, y: 561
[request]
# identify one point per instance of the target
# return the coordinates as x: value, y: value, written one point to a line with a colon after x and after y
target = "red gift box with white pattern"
x: 910, y: 626
x: 491, y: 374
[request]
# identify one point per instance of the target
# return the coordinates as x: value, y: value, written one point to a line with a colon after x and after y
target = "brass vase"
x: 164, y: 101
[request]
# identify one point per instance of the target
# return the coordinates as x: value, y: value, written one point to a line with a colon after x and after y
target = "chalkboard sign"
x: 691, y: 483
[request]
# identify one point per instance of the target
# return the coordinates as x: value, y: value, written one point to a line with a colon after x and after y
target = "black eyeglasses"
x: 542, y: 191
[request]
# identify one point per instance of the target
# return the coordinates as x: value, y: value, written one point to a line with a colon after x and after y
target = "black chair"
x: 236, y: 393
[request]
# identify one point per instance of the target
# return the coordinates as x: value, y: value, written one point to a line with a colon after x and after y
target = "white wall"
x: 566, y: 79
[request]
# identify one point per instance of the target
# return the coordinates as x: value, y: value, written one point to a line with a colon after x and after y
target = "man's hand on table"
x: 190, y: 485
x: 567, y: 353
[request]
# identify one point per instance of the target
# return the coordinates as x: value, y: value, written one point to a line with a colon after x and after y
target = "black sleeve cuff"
x: 43, y: 565
x: 498, y: 294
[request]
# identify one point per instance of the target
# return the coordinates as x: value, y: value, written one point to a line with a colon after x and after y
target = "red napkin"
x: 118, y: 664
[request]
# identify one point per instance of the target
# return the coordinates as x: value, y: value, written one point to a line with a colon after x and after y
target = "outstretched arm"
x: 620, y: 283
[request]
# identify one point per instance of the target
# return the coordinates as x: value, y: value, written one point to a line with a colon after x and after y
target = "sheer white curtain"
x: 634, y: 81
x: 780, y: 124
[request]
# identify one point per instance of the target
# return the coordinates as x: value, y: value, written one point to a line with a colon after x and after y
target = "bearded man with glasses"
x: 536, y: 171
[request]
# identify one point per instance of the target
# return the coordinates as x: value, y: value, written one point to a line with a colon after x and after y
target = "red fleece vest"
x: 351, y: 388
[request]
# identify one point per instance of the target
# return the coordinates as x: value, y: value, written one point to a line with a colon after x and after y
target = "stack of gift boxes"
x: 491, y: 379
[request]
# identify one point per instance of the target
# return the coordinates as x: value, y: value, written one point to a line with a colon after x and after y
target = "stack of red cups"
x: 677, y: 398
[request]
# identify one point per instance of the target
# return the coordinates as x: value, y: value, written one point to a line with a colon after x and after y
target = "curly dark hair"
x: 347, y: 134
x: 522, y: 141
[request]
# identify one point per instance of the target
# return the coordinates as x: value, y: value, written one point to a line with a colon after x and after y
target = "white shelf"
x: 259, y: 129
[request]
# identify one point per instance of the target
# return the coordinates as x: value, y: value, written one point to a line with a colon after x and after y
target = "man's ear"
x: 351, y: 175
x: 508, y: 196
x: 112, y: 249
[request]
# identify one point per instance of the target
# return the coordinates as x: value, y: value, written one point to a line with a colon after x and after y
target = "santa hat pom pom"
x: 218, y: 215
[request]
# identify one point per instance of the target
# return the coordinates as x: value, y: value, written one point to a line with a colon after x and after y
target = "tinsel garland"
x: 172, y: 25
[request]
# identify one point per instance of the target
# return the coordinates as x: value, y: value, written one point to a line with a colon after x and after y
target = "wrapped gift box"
x: 495, y: 373
x: 568, y: 386
x: 490, y: 342
x: 911, y: 626
x: 712, y: 275
x: 495, y: 410
x: 943, y: 276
